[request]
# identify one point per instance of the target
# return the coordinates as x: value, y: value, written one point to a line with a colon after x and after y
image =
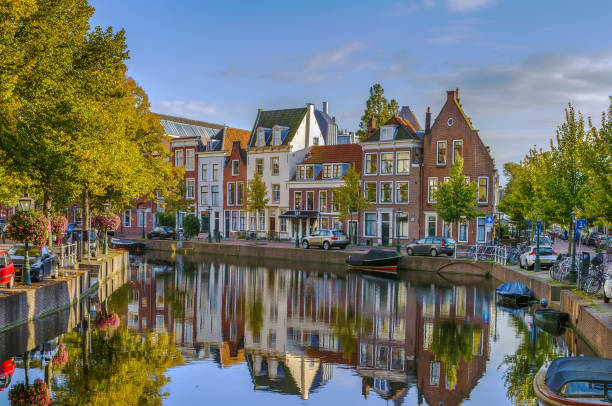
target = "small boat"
x: 375, y: 260
x: 514, y: 294
x: 575, y: 381
x: 551, y: 318
x: 127, y: 244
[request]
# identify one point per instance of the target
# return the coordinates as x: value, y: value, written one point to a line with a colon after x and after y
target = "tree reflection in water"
x: 347, y: 326
x: 452, y: 342
x: 535, y: 348
x: 255, y: 315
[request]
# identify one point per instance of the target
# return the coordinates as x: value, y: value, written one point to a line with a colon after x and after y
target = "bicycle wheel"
x: 591, y: 285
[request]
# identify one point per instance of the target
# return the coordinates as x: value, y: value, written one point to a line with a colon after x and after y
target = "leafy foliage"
x: 256, y: 195
x: 30, y: 395
x: 451, y: 343
x: 377, y: 106
x: 165, y: 219
x: 191, y: 225
x: 350, y: 198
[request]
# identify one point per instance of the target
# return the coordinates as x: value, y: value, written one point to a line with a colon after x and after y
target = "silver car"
x: 548, y: 256
x: 326, y: 239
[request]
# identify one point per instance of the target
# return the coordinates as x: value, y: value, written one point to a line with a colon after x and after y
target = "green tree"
x: 256, y: 196
x: 165, y: 219
x: 377, y: 106
x: 350, y: 198
x: 451, y: 343
x: 191, y: 226
x: 456, y: 199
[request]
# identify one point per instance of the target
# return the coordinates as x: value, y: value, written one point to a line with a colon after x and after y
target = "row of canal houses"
x: 303, y: 157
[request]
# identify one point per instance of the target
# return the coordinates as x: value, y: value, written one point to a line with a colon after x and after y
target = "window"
x: 480, y: 229
x: 215, y: 174
x: 235, y: 167
x: 463, y: 231
x: 386, y: 163
x: 432, y: 226
x: 397, y: 359
x: 370, y: 224
x: 252, y: 222
x: 483, y: 189
x: 386, y: 133
x: 262, y: 221
x: 337, y: 170
x: 434, y: 373
x: 309, y: 172
x: 297, y: 200
x: 214, y: 192
x: 403, y: 162
x: 283, y: 225
x: 327, y: 171
x: 457, y: 149
x: 382, y: 355
x: 441, y: 160
x: 234, y: 226
x: 274, y: 165
x: 242, y: 221
x: 178, y: 158
x: 447, y: 229
x: 323, y: 201
x: 370, y: 191
x: 275, y: 193
x: 366, y: 354
x: 127, y: 218
x: 402, y: 225
x: 231, y: 194
x: 310, y: 200
x: 259, y: 166
x: 386, y: 192
x: 190, y: 159
x: 203, y: 195
x: 204, y: 172
x: 324, y: 223
x: 371, y: 164
x: 301, y: 172
x: 240, y: 193
x: 334, y: 202
x: 142, y: 218
x: 467, y: 180
x: 446, y: 179
x: 402, y: 192
x: 277, y: 136
x: 432, y: 187
x: 315, y: 141
x: 450, y: 122
x: 190, y: 189
x: 261, y: 138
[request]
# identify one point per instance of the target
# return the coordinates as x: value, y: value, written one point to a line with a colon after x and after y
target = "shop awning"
x: 303, y: 214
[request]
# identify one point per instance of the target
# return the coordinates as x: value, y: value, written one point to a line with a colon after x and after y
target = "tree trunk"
x: 85, y: 243
x: 457, y: 240
x: 47, y: 211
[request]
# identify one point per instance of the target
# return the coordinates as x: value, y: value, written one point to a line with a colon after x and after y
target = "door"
x: 205, y: 223
x: 217, y: 221
x: 227, y: 223
x: 272, y: 224
x: 385, y: 228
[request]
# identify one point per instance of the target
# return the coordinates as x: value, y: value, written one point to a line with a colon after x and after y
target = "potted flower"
x: 26, y: 395
x: 30, y: 228
x: 59, y: 224
x: 60, y: 359
x: 104, y: 223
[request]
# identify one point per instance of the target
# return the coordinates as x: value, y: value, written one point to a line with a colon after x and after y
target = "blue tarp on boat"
x: 578, y: 369
x: 514, y: 289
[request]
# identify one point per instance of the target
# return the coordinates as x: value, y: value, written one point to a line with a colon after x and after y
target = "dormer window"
x: 305, y: 172
x: 387, y: 133
x: 209, y: 145
x: 315, y: 141
x: 277, y: 136
x: 301, y: 171
x: 261, y: 138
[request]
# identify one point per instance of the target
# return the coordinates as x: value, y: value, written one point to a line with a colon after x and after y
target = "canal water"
x: 196, y: 330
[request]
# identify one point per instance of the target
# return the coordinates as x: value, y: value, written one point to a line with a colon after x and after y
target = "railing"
x: 68, y: 254
x: 496, y: 253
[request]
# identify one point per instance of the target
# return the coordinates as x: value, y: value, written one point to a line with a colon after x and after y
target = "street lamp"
x: 537, y: 266
x: 573, y: 276
x: 26, y: 203
x: 398, y: 214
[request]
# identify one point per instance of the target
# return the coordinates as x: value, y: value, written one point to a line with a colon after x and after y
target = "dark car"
x: 590, y: 238
x: 433, y: 246
x: 43, y: 262
x: 161, y: 233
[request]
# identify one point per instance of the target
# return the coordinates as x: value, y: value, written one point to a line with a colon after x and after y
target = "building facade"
x: 235, y: 186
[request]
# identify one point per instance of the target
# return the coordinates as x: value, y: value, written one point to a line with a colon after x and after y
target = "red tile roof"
x: 344, y: 153
x: 235, y: 134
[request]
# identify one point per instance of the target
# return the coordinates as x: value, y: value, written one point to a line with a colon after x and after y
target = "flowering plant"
x: 111, y: 322
x: 106, y: 222
x: 36, y: 394
x: 61, y: 357
x: 28, y: 226
x: 59, y: 224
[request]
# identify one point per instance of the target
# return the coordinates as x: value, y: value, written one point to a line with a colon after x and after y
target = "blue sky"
x: 517, y: 63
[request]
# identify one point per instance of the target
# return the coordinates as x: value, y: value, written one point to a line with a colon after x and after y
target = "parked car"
x: 161, y: 233
x: 432, y: 246
x: 7, y: 269
x: 544, y: 240
x: 43, y: 262
x: 326, y: 239
x: 602, y: 241
x: 75, y: 236
x: 589, y: 238
x: 548, y: 256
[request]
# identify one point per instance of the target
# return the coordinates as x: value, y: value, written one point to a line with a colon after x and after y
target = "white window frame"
x: 381, y: 201
x: 235, y: 167
x: 189, y: 196
x: 467, y: 231
x: 429, y: 193
x: 295, y: 193
x: 189, y: 159
x: 261, y: 138
x: 312, y: 193
x: 231, y: 194
x: 387, y: 133
x: 275, y: 196
x: 323, y: 208
x: 337, y: 167
x: 142, y: 217
x: 204, y: 192
x: 390, y: 166
x: 283, y: 225
x: 427, y: 217
x: 213, y: 195
x: 365, y: 224
x: 240, y: 202
x: 215, y: 172
x: 438, y: 163
x: 449, y: 226
x: 397, y: 194
x: 399, y: 222
x: 275, y: 165
x: 326, y: 168
x: 276, y: 136
x: 483, y: 201
x: 257, y: 161
x: 457, y: 142
x: 397, y: 171
x: 365, y: 160
x: 204, y: 172
x: 365, y: 190
x: 179, y: 160
x: 127, y: 215
x: 484, y: 226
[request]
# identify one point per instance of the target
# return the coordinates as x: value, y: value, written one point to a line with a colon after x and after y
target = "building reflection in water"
x: 290, y: 327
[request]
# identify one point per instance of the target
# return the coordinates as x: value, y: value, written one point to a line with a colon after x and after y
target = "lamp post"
x: 209, y: 208
x: 573, y: 276
x: 106, y: 205
x: 537, y: 266
x: 398, y: 214
x: 297, y: 229
x: 26, y: 203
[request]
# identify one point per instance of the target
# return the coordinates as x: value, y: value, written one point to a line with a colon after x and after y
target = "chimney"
x: 427, y: 120
x: 325, y: 107
x: 371, y: 126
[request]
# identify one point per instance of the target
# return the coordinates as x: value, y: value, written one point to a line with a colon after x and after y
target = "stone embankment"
x: 593, y: 322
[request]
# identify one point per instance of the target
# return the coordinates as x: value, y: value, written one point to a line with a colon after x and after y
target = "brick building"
x: 391, y: 175
x: 451, y: 135
x: 235, y: 185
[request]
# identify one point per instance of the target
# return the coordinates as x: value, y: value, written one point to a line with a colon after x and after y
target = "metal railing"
x: 480, y: 252
x: 67, y: 254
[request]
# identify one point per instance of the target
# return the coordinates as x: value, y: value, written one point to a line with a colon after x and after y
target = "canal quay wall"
x: 22, y: 304
x: 593, y: 325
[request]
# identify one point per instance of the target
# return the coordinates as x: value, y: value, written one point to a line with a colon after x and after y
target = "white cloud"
x: 195, y: 109
x: 334, y: 58
x: 468, y: 5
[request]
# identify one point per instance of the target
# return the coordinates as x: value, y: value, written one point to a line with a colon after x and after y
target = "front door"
x: 385, y: 229
x: 205, y: 223
x: 227, y: 223
x: 272, y: 224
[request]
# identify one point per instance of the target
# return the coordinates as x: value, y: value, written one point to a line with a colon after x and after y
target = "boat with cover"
x: 514, y: 294
x: 376, y: 260
x: 550, y: 318
x: 127, y: 244
x: 575, y: 381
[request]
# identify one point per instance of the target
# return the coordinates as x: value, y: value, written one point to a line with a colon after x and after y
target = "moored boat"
x: 375, y: 260
x: 550, y: 318
x: 575, y: 381
x: 514, y: 294
x: 127, y: 244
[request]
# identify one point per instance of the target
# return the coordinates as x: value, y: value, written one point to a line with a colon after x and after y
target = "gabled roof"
x: 408, y: 115
x: 456, y: 100
x: 347, y: 154
x: 228, y: 135
x: 326, y: 124
x: 184, y: 127
x: 405, y: 130
x: 286, y: 118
